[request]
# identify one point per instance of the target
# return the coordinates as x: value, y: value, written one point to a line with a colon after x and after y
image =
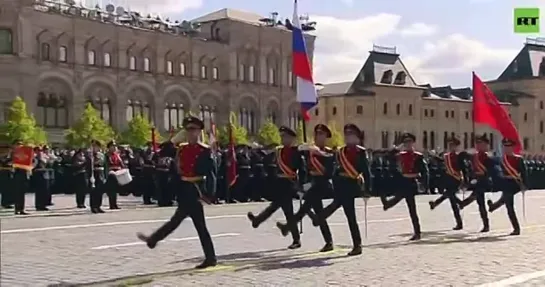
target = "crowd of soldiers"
x: 190, y: 173
x: 69, y: 171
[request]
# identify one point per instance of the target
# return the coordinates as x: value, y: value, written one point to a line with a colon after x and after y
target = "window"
x: 400, y: 78
x: 173, y: 115
x: 132, y: 63
x: 410, y: 110
x: 432, y: 113
x: 248, y: 120
x: 251, y: 74
x: 91, y: 58
x: 465, y: 140
x: 241, y: 72
x: 170, y: 68
x: 147, y: 65
x: 208, y: 116
x: 446, y: 114
x: 52, y: 110
x: 137, y: 108
x: 526, y: 143
x: 467, y: 115
x: 204, y: 72
x: 102, y: 105
x: 44, y: 52
x: 385, y: 108
x: 425, y: 140
x: 272, y: 77
x: 107, y: 60
x: 445, y: 140
x: 294, y: 118
x: 472, y: 139
x: 62, y: 54
x: 432, y: 139
x: 541, y: 127
x: 425, y: 112
x: 290, y: 79
x: 359, y: 110
x: 385, y: 140
x: 4, y: 118
x: 452, y: 114
x: 398, y: 109
x: 182, y: 69
x: 541, y: 105
x: 6, y: 42
x: 525, y: 117
x: 215, y: 73
x: 334, y: 111
x: 387, y: 77
x: 316, y: 112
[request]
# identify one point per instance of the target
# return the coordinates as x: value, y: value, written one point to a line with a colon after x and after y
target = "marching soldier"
x: 195, y: 174
x: 40, y: 180
x: 515, y: 179
x: 240, y: 190
x: 148, y: 174
x: 290, y: 174
x: 98, y: 177
x: 6, y: 171
x: 351, y: 179
x: 453, y: 179
x: 21, y: 176
x: 81, y: 179
x: 163, y: 162
x: 114, y: 162
x: 484, y: 171
x: 320, y: 165
x: 411, y: 165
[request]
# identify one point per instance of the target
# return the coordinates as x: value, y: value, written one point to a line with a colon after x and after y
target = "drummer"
x: 114, y: 163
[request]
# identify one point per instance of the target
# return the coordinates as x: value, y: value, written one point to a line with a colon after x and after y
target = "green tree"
x: 300, y: 133
x: 89, y: 127
x: 240, y: 134
x: 268, y: 134
x: 138, y: 132
x: 336, y: 139
x: 22, y: 126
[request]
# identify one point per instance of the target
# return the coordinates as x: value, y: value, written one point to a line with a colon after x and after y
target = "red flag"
x: 23, y: 157
x: 488, y: 110
x: 232, y: 158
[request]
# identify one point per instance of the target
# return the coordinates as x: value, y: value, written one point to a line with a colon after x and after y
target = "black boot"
x: 283, y: 228
x: 327, y: 247
x: 415, y: 237
x: 295, y: 245
x: 357, y: 250
x: 207, y: 263
x: 490, y: 204
x: 432, y: 205
x: 151, y: 244
x: 458, y: 226
x: 252, y: 218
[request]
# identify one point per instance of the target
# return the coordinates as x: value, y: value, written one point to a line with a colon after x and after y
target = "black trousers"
x: 188, y: 205
x: 41, y: 190
x: 112, y: 188
x: 164, y: 189
x: 312, y: 200
x: 450, y: 194
x: 408, y: 194
x: 282, y: 200
x: 148, y: 186
x: 347, y: 202
x: 508, y: 199
x: 80, y: 181
x: 478, y: 195
x: 21, y: 185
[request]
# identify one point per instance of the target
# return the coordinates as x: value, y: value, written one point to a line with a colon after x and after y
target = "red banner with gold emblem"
x: 23, y: 157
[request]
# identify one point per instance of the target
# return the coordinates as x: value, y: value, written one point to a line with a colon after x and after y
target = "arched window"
x: 6, y: 42
x: 387, y: 77
x: 432, y: 140
x: 466, y: 141
x: 525, y: 117
x: 359, y: 110
x: 91, y: 58
x: 398, y: 109
x: 208, y: 115
x: 294, y: 118
x: 410, y: 110
x: 425, y: 140
x: 173, y: 115
x: 44, y: 52
x: 385, y: 108
x: 247, y: 119
x: 132, y: 63
x: 385, y: 139
x: 272, y: 113
x: 147, y: 65
x: 63, y: 55
x: 103, y: 106
x: 107, y: 60
x: 52, y: 110
x: 400, y: 78
x: 445, y: 140
x: 334, y: 111
x: 204, y: 72
x: 138, y: 108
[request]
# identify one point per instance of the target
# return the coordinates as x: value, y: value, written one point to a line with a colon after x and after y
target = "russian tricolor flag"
x: 306, y: 91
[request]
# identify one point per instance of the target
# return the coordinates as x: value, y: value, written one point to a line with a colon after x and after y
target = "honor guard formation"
x: 187, y: 173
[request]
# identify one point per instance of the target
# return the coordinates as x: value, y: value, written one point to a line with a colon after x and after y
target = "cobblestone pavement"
x: 101, y: 250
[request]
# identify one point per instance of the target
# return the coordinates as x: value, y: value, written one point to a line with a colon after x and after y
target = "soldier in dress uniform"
x: 484, y: 170
x: 195, y: 175
x: 290, y: 175
x: 514, y: 179
x: 80, y: 180
x: 320, y: 165
x: 453, y: 179
x: 412, y: 167
x: 6, y: 173
x: 434, y: 163
x: 240, y: 192
x: 98, y: 177
x: 114, y: 162
x: 259, y: 174
x: 21, y: 181
x: 40, y: 180
x: 163, y: 162
x: 351, y: 179
x: 136, y: 167
x: 148, y: 174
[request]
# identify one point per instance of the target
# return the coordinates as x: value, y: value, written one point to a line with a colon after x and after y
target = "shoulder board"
x: 280, y: 147
x: 328, y: 148
x: 418, y: 153
x: 360, y: 147
x: 517, y: 155
x: 402, y: 152
x: 203, y: 145
x: 183, y: 144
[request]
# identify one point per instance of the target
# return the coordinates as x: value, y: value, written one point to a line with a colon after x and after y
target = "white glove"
x: 473, y: 181
x: 92, y: 180
x: 307, y: 186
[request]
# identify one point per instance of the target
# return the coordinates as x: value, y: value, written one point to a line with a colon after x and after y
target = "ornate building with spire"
x: 59, y: 57
x: 384, y: 100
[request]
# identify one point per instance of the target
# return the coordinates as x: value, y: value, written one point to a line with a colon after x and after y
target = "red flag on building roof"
x: 487, y: 110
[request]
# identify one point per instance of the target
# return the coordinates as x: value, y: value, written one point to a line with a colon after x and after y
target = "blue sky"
x: 441, y: 42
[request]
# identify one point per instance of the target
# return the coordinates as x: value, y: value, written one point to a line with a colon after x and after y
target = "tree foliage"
x: 268, y: 134
x: 240, y: 134
x: 21, y: 126
x: 300, y: 133
x: 89, y: 127
x: 336, y: 139
x: 138, y: 132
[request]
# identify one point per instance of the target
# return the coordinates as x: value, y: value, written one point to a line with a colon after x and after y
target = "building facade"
x: 59, y: 58
x: 384, y: 101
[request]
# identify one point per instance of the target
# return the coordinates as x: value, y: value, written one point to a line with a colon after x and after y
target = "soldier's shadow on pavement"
x: 244, y: 256
x: 297, y: 263
x: 441, y: 239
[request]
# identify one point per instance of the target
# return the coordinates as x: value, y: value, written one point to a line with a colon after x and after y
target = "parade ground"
x: 70, y: 247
